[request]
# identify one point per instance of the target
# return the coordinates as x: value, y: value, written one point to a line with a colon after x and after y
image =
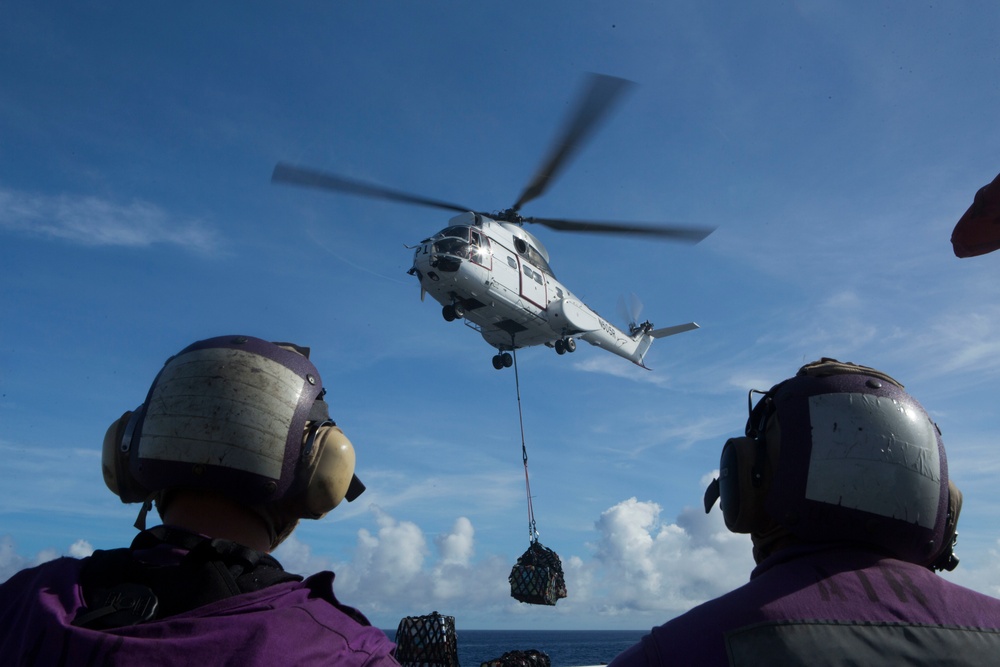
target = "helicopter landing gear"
x: 452, y: 312
x: 502, y: 360
x: 565, y: 345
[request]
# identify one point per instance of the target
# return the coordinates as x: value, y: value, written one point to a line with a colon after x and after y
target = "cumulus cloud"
x: 639, y: 562
x: 11, y: 561
x: 93, y: 221
x: 647, y: 564
x: 456, y: 547
x: 81, y: 549
x: 642, y: 568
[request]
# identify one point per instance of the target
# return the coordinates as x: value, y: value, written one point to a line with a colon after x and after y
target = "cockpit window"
x: 452, y: 246
x: 458, y: 232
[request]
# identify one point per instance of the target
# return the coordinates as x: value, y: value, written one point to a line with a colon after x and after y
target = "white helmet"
x: 241, y: 417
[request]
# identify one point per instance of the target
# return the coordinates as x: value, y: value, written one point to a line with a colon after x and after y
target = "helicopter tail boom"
x: 631, y: 346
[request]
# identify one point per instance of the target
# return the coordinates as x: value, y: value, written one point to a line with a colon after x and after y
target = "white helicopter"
x: 484, y: 268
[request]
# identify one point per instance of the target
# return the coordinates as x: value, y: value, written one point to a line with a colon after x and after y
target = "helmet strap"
x: 140, y: 521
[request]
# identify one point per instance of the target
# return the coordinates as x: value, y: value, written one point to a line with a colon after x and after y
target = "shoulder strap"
x: 120, y: 589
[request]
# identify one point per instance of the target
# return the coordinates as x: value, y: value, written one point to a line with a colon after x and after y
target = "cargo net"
x: 427, y: 641
x: 529, y: 658
x: 537, y: 578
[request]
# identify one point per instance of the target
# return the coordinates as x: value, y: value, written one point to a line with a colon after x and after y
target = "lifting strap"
x: 537, y: 578
x: 532, y: 530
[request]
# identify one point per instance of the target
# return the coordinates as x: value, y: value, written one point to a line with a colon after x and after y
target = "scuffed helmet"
x: 241, y: 417
x: 841, y: 452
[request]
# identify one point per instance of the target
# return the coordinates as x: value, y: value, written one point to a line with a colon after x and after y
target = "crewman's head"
x: 240, y: 417
x: 840, y: 453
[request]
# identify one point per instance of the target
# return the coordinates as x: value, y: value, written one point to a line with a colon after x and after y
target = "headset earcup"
x: 111, y: 451
x: 945, y: 558
x: 329, y: 475
x: 118, y: 445
x: 741, y: 497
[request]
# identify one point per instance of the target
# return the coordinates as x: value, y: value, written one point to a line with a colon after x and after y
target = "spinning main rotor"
x: 601, y: 93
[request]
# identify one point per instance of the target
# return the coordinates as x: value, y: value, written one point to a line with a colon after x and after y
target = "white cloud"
x: 642, y: 568
x: 81, y: 549
x: 650, y: 565
x: 985, y: 579
x: 93, y: 221
x: 11, y: 561
x: 604, y: 363
x: 387, y: 561
x: 296, y: 556
x: 457, y: 547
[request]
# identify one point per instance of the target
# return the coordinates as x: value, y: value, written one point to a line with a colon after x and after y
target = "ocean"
x: 565, y: 648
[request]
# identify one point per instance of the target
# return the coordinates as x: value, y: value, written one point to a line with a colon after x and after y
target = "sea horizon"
x: 565, y: 648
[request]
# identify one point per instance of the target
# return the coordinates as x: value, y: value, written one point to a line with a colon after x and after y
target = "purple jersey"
x: 831, y: 605
x: 290, y: 623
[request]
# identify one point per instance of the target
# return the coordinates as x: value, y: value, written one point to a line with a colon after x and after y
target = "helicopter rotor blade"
x: 313, y: 178
x: 664, y: 232
x: 630, y: 312
x: 593, y: 106
x: 634, y: 308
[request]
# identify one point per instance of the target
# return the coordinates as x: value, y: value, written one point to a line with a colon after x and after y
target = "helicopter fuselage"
x: 497, y: 277
x: 486, y: 270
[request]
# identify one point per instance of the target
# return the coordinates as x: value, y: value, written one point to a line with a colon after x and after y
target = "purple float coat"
x: 291, y: 623
x: 831, y: 605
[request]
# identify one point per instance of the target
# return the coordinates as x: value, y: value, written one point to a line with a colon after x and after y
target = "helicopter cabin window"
x: 535, y: 257
x: 532, y: 274
x: 479, y: 249
x: 512, y: 262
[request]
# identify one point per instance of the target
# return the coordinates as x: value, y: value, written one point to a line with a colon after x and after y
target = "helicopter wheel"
x: 570, y: 345
x: 449, y: 313
x: 459, y: 311
x: 560, y: 346
x: 506, y: 360
x: 497, y: 361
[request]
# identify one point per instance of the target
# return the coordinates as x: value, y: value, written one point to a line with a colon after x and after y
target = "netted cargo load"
x: 427, y: 641
x: 537, y: 578
x: 529, y: 658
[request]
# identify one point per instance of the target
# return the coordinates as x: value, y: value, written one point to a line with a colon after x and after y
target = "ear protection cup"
x: 326, y: 477
x: 328, y: 470
x: 742, y: 484
x: 946, y: 559
x: 115, y: 453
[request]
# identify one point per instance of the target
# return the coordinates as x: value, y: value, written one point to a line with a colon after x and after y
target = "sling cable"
x: 537, y: 578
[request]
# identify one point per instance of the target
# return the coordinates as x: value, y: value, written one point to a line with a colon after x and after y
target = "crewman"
x: 842, y: 483
x: 234, y: 445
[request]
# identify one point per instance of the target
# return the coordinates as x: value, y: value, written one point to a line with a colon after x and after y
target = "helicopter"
x: 485, y: 269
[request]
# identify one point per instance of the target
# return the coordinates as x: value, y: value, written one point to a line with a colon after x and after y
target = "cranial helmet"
x: 241, y: 417
x: 841, y: 453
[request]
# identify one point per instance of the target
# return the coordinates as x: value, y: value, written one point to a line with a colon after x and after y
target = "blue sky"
x: 834, y: 147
